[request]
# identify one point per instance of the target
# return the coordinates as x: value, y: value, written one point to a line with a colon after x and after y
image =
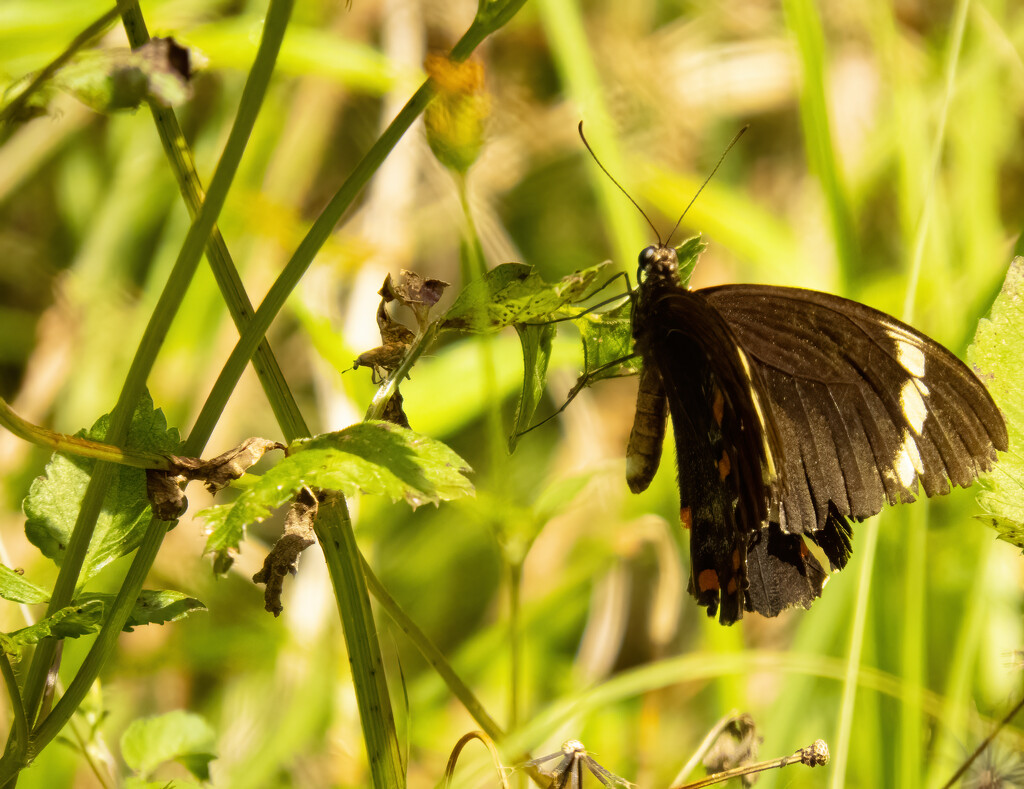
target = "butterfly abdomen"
x: 643, y: 453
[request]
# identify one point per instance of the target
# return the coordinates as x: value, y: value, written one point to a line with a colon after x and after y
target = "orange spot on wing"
x: 731, y: 586
x: 718, y: 406
x: 804, y: 550
x: 736, y: 559
x: 686, y: 517
x: 707, y: 580
x: 724, y: 465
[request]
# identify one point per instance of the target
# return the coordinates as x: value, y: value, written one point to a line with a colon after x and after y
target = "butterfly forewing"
x: 867, y: 407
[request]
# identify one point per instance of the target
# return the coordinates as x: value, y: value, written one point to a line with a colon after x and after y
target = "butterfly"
x: 795, y: 412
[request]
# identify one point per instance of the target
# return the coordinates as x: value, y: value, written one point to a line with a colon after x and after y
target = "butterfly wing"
x: 723, y: 446
x: 866, y: 407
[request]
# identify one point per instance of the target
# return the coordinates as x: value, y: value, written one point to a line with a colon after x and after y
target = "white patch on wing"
x: 912, y: 403
x: 908, y: 462
x: 909, y: 354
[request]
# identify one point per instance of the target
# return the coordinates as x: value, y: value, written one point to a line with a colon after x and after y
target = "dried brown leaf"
x: 283, y: 559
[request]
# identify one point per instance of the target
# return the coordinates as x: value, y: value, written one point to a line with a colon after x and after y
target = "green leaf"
x: 54, y: 499
x: 995, y: 356
x: 689, y: 253
x: 514, y: 293
x: 179, y: 736
x: 607, y: 338
x: 536, y: 342
x: 153, y: 607
x: 15, y: 588
x: 70, y: 622
x: 370, y: 457
x: 109, y: 80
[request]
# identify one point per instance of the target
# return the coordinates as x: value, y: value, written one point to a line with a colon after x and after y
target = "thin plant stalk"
x: 844, y: 735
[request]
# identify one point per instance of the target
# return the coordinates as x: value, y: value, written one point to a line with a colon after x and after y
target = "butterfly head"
x: 659, y: 263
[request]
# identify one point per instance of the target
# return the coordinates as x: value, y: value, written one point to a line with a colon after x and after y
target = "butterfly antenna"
x: 721, y: 158
x: 621, y: 187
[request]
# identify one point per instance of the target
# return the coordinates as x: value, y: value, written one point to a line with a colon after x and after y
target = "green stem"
x: 515, y: 577
x: 476, y: 267
x: 106, y: 639
x: 803, y: 19
x: 17, y: 706
x: 432, y: 655
x: 388, y: 388
x: 82, y: 447
x: 912, y: 636
x: 344, y: 562
x: 869, y: 536
x: 283, y: 404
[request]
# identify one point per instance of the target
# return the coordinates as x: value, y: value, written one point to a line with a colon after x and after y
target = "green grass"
x: 883, y: 163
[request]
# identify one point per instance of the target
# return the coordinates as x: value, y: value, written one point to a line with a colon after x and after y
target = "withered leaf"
x: 283, y: 558
x: 413, y: 289
x: 165, y: 494
x: 415, y: 292
x: 391, y: 331
x: 217, y: 473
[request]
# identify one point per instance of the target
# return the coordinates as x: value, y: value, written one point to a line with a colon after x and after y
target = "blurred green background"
x: 884, y: 162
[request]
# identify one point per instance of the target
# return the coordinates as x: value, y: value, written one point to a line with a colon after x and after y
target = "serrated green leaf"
x: 536, y: 344
x: 153, y: 607
x: 370, y: 457
x: 514, y: 293
x: 70, y: 622
x: 179, y: 736
x: 54, y: 499
x: 995, y: 355
x: 15, y: 588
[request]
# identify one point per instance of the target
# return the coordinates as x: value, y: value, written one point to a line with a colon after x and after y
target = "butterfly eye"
x: 648, y: 258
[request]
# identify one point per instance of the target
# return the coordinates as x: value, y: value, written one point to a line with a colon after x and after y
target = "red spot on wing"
x: 718, y: 406
x: 686, y: 517
x: 707, y: 580
x: 724, y: 465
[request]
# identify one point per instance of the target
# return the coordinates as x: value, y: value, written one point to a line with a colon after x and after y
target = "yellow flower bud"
x: 455, y: 118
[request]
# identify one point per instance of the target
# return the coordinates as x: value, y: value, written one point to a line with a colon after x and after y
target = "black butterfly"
x: 794, y: 413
